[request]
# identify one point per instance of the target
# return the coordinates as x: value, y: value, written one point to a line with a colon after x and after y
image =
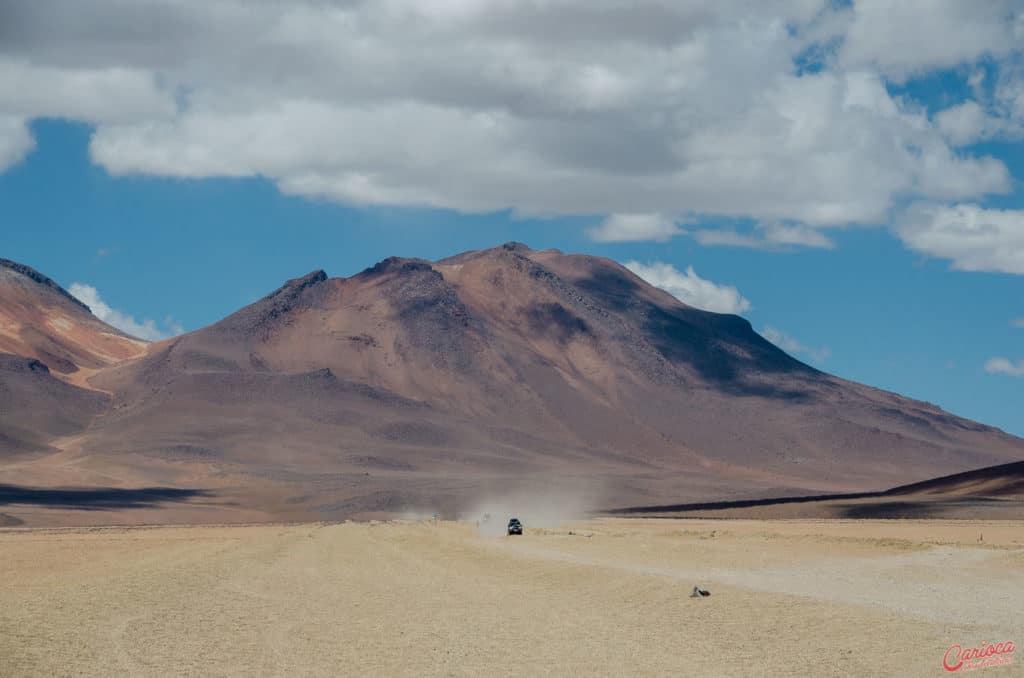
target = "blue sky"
x: 862, y: 206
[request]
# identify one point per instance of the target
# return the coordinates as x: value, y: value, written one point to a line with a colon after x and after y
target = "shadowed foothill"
x: 96, y: 498
x: 992, y: 492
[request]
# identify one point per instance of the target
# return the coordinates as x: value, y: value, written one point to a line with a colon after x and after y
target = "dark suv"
x: 515, y: 527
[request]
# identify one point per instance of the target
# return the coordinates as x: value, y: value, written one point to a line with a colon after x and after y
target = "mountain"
x: 435, y: 385
x: 50, y: 343
x: 39, y: 319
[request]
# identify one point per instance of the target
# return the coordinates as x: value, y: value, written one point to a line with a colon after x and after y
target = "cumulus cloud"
x: 972, y: 237
x: 1005, y: 366
x: 992, y: 114
x: 15, y: 140
x: 109, y: 94
x: 791, y: 345
x: 690, y: 288
x: 631, y: 227
x: 910, y: 36
x: 968, y: 122
x: 1009, y: 94
x: 146, y: 329
x: 569, y: 107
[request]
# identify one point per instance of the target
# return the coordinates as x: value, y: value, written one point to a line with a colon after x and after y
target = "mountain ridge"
x: 43, y: 280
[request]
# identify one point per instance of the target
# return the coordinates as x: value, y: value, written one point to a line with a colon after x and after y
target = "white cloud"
x: 1018, y: 322
x: 690, y: 288
x: 147, y: 329
x: 784, y: 234
x: 766, y: 237
x: 911, y: 36
x: 791, y: 345
x: 1009, y: 95
x: 728, y: 238
x: 974, y: 238
x: 633, y: 227
x: 15, y: 140
x: 1005, y: 366
x: 569, y: 107
x: 968, y: 122
x: 112, y: 94
x: 992, y: 113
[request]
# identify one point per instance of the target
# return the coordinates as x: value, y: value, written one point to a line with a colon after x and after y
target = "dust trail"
x: 491, y: 515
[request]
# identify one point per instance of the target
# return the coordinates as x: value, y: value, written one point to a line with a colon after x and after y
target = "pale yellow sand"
x: 421, y: 599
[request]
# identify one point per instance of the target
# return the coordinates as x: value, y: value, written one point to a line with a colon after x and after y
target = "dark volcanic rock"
x: 16, y: 363
x: 397, y: 265
x: 260, y: 318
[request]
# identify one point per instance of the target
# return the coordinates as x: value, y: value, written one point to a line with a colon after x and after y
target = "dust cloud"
x: 491, y: 515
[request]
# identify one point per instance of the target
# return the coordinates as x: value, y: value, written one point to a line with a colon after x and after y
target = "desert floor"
x: 607, y: 597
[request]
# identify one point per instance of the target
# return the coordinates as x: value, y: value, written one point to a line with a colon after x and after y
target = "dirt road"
x: 421, y: 599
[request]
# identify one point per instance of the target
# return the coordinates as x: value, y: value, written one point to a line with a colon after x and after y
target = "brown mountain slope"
x: 35, y: 407
x: 434, y: 385
x: 39, y: 319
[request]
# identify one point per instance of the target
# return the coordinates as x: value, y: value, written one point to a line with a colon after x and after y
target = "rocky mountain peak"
x: 37, y: 277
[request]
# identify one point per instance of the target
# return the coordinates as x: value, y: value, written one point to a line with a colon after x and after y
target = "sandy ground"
x: 611, y: 598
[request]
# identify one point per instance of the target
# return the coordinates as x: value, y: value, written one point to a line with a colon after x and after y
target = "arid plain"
x: 588, y: 598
